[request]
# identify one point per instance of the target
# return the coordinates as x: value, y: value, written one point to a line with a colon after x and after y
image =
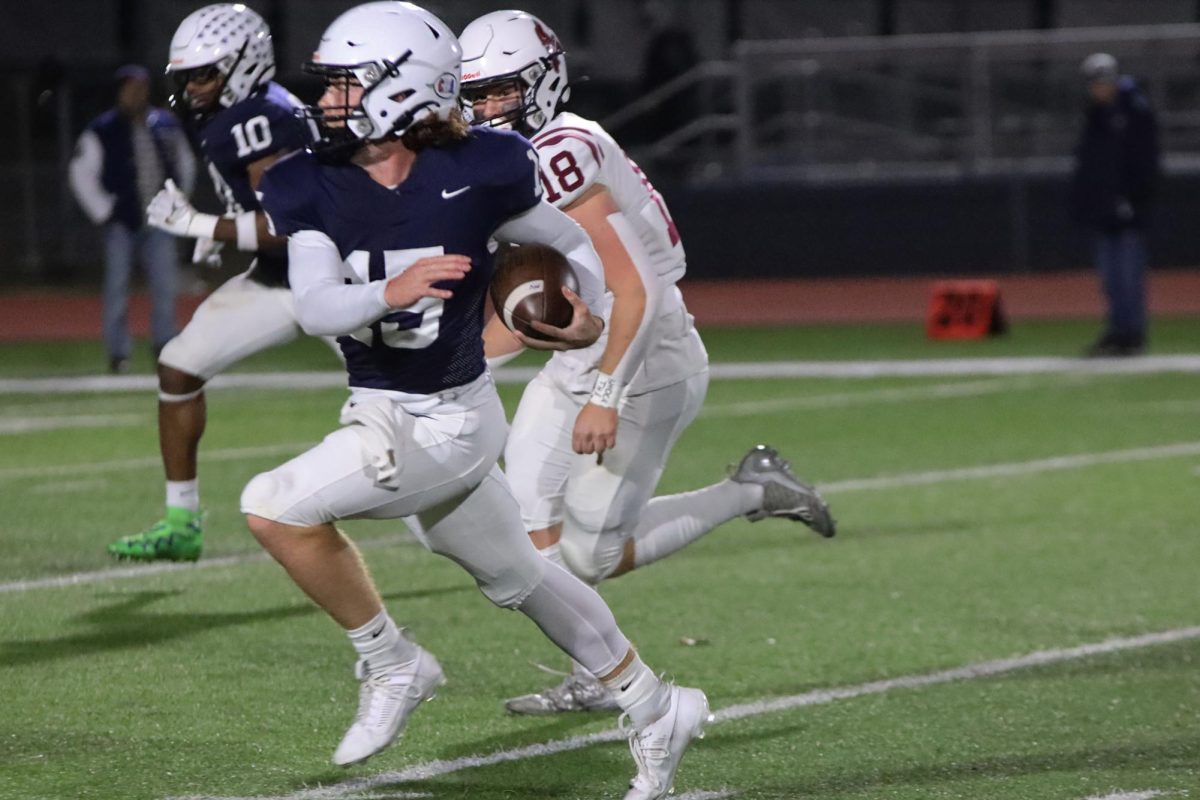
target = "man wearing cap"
x: 1116, y: 172
x: 120, y: 162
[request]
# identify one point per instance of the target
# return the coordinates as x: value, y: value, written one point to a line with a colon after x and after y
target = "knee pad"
x: 260, y: 497
x: 482, y: 533
x: 591, y: 556
x: 509, y: 587
x: 592, y: 542
x: 174, y: 353
x: 584, y: 564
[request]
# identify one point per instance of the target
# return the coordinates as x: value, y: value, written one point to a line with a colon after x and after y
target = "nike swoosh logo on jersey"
x: 447, y: 195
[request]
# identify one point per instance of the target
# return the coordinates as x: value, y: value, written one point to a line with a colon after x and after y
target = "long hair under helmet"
x: 408, y: 63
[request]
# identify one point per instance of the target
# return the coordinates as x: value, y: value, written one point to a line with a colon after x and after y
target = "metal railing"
x: 898, y: 106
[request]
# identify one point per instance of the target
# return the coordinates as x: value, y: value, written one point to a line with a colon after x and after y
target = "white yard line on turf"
x: 69, y: 487
x: 903, y: 394
x: 1014, y: 469
x: 15, y: 425
x: 160, y: 567
x: 149, y: 462
x: 833, y: 400
x: 719, y: 371
x: 431, y: 769
x: 1144, y: 795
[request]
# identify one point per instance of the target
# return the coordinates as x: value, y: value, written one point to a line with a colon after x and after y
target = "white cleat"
x: 784, y: 495
x: 659, y: 748
x: 386, y: 699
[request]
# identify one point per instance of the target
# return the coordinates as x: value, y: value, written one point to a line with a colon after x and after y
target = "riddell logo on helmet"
x: 470, y: 76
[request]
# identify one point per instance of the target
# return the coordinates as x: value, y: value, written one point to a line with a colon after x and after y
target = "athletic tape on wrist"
x: 247, y: 231
x: 202, y: 226
x: 607, y: 391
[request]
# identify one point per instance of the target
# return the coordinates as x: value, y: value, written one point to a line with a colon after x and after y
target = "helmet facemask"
x: 515, y: 47
x: 222, y: 41
x: 526, y: 116
x: 181, y: 101
x: 345, y: 128
x: 399, y: 89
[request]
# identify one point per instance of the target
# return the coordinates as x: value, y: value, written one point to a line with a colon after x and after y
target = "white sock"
x: 184, y: 494
x: 553, y: 554
x: 381, y: 643
x: 674, y: 521
x: 640, y: 693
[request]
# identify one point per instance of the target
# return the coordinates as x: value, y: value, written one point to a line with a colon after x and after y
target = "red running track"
x: 52, y: 316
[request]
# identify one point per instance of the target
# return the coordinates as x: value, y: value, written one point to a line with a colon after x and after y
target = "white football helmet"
x: 506, y: 46
x: 407, y: 61
x: 229, y: 39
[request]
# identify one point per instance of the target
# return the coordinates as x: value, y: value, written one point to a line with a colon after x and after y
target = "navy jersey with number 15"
x: 234, y: 138
x: 452, y: 201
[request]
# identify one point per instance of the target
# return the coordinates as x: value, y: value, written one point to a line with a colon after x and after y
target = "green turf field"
x: 981, y: 519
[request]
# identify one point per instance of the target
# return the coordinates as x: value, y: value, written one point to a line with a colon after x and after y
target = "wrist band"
x: 247, y: 231
x: 202, y: 226
x: 607, y: 391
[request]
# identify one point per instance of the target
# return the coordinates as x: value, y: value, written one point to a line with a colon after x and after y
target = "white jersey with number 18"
x: 575, y: 154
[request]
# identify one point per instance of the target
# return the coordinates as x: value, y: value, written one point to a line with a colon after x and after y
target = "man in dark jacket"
x: 1116, y: 171
x: 120, y: 163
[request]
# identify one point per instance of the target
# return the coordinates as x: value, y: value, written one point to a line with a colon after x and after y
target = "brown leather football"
x: 527, y: 285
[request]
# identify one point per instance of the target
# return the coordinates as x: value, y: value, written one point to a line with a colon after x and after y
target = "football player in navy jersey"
x: 221, y: 64
x: 388, y: 220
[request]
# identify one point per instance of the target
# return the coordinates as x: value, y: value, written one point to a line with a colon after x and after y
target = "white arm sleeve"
x: 545, y: 224
x: 654, y: 287
x: 84, y: 176
x: 185, y: 161
x: 325, y: 304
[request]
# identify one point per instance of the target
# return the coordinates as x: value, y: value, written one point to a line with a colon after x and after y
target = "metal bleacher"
x: 879, y: 108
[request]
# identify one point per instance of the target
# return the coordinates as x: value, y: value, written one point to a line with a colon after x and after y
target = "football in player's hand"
x: 527, y: 285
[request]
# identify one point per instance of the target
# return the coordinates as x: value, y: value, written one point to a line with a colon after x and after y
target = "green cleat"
x: 179, y: 536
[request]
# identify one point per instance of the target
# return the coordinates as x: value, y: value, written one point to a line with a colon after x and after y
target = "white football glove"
x: 207, y: 252
x: 170, y: 211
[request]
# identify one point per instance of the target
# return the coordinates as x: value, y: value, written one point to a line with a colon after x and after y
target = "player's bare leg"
x: 395, y: 674
x: 182, y: 414
x: 325, y: 564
